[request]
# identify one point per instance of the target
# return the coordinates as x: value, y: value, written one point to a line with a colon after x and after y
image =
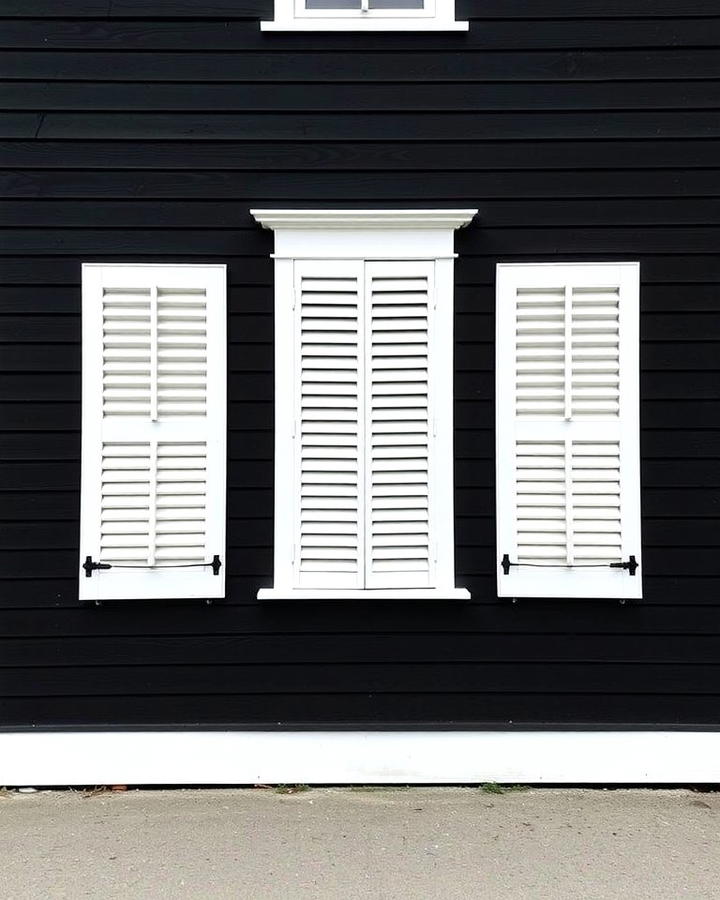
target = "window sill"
x: 380, y: 594
x: 358, y: 24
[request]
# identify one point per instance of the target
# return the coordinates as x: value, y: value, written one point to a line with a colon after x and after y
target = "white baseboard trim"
x: 358, y: 757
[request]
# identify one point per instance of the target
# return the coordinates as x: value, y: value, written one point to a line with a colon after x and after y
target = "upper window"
x: 363, y: 402
x: 364, y: 15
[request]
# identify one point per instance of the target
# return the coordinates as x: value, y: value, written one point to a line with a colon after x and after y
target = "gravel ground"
x: 379, y: 843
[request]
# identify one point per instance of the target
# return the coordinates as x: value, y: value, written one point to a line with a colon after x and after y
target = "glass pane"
x: 332, y: 4
x: 396, y: 4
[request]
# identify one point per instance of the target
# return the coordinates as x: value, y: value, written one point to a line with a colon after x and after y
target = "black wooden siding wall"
x: 144, y: 130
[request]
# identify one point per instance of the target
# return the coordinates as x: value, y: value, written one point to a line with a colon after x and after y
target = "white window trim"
x: 140, y: 757
x: 437, y: 15
x: 367, y: 235
x: 567, y: 583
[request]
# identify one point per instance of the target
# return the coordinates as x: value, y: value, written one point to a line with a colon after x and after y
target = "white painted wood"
x: 154, y: 423
x: 568, y: 489
x: 443, y: 428
x: 399, y: 523
x: 364, y: 219
x: 435, y: 15
x: 285, y: 437
x: 376, y: 594
x: 318, y: 319
x: 328, y: 384
x: 359, y: 757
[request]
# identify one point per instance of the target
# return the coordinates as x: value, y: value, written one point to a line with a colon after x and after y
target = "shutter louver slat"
x: 595, y: 388
x: 568, y: 457
x: 398, y: 430
x: 127, y: 315
x: 125, y: 504
x: 596, y: 495
x: 540, y: 353
x: 182, y: 352
x: 160, y: 457
x: 363, y: 456
x: 330, y: 420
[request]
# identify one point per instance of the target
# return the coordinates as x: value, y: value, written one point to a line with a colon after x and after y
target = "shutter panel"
x: 362, y: 424
x: 329, y: 424
x: 397, y: 527
x: 154, y: 420
x: 568, y: 473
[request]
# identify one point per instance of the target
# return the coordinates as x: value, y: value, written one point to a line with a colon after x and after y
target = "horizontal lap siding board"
x: 584, y: 131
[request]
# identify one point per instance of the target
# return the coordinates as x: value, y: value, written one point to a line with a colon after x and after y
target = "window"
x: 568, y: 461
x: 363, y: 402
x: 153, y: 432
x: 364, y: 15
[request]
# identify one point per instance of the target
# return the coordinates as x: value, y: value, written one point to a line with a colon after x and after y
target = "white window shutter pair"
x: 568, y: 461
x: 363, y: 441
x: 153, y: 432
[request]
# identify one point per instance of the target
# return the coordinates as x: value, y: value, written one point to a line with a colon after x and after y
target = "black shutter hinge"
x: 505, y: 563
x: 216, y: 564
x: 631, y: 565
x: 91, y: 566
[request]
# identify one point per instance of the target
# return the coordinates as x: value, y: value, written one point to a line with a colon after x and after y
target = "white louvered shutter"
x: 329, y: 430
x: 362, y: 430
x: 568, y: 463
x: 154, y: 423
x: 399, y: 297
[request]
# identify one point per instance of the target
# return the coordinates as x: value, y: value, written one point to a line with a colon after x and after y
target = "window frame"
x: 436, y: 15
x: 367, y: 235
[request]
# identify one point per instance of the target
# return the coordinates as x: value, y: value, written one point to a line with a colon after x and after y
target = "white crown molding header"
x: 366, y: 219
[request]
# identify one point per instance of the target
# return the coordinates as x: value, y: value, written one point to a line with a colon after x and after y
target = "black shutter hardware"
x: 91, y: 566
x: 631, y: 565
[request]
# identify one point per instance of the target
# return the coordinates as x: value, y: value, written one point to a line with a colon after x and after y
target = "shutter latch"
x: 631, y: 565
x: 91, y: 566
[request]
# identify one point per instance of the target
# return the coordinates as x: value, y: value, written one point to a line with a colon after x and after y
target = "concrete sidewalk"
x: 379, y: 843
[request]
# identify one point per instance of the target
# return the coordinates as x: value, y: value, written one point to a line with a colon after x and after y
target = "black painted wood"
x: 146, y: 129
